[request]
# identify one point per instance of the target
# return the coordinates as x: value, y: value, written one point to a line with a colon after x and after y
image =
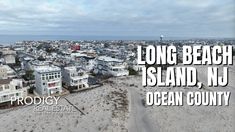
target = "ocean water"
x: 11, y: 39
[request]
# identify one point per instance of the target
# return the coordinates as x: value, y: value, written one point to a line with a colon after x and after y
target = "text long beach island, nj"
x: 158, y: 57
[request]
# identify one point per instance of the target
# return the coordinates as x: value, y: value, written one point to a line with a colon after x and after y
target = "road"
x: 139, y: 121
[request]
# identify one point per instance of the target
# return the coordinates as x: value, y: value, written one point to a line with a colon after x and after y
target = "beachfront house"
x: 75, y: 78
x: 48, y: 80
x: 11, y: 88
x: 110, y: 66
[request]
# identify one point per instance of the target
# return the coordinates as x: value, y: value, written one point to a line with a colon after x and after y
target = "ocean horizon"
x: 11, y: 39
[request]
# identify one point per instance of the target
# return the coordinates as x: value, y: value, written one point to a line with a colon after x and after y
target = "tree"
x: 29, y: 75
x: 132, y: 71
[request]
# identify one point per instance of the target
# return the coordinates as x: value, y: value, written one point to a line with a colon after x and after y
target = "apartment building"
x: 48, y: 80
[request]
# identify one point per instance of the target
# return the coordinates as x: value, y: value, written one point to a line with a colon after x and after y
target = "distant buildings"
x: 48, y: 80
x: 110, y: 66
x: 75, y: 47
x: 75, y: 77
x: 11, y: 88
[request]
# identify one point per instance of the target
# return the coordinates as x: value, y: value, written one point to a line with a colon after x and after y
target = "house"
x: 48, y: 80
x: 137, y: 67
x: 12, y: 88
x: 3, y: 73
x: 75, y: 77
x: 75, y: 47
x: 110, y: 66
x: 9, y: 56
x: 7, y: 72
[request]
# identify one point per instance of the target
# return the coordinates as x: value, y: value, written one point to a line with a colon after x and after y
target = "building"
x: 3, y: 73
x: 110, y: 66
x: 48, y: 80
x: 9, y: 56
x: 75, y: 47
x: 34, y: 64
x: 12, y: 88
x: 75, y: 77
x: 7, y: 72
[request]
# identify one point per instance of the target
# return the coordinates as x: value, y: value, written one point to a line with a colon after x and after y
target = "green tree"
x: 29, y: 75
x: 132, y: 71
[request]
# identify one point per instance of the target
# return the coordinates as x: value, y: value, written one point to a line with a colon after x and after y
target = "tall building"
x: 48, y: 80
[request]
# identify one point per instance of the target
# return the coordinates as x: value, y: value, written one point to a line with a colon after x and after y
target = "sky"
x: 173, y: 18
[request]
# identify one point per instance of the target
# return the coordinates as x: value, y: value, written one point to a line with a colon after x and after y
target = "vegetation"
x: 31, y: 89
x: 50, y: 50
x: 29, y: 75
x: 132, y: 71
x: 18, y: 63
x: 40, y: 58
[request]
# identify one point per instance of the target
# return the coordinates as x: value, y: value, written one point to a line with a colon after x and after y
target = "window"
x: 6, y: 86
x: 1, y: 88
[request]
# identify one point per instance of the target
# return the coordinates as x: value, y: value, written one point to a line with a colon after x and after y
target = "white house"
x: 9, y: 56
x: 48, y: 80
x: 137, y: 67
x: 111, y: 66
x: 11, y: 88
x: 75, y: 77
x: 6, y: 72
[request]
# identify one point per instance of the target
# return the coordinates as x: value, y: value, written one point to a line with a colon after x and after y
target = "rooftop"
x: 45, y: 69
x: 109, y: 59
x: 73, y: 68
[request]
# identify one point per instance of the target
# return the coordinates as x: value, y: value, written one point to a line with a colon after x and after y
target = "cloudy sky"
x: 174, y: 18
